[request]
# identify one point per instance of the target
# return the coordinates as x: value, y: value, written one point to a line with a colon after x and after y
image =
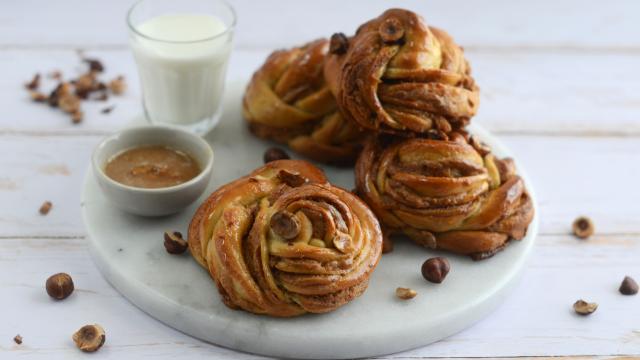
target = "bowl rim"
x: 204, y: 173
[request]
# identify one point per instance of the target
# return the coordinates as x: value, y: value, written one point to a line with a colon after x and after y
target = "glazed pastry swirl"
x: 283, y: 242
x: 398, y: 75
x: 288, y: 101
x: 444, y: 194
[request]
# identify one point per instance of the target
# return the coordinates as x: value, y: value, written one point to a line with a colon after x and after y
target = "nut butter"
x: 152, y: 167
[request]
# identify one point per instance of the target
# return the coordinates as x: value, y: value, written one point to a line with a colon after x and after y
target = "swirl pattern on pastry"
x: 400, y: 76
x: 282, y: 241
x: 444, y: 194
x: 288, y: 101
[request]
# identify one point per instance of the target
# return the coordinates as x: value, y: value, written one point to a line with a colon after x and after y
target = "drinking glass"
x: 181, y: 50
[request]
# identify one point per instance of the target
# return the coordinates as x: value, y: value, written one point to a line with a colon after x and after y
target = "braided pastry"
x: 444, y: 194
x: 282, y: 241
x: 288, y: 101
x: 398, y: 75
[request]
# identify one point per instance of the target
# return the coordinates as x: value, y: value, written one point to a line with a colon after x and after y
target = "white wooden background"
x: 560, y: 85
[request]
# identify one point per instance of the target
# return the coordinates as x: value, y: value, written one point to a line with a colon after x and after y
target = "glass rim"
x: 229, y: 28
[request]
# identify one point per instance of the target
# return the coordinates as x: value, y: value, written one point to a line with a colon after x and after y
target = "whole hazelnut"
x: 435, y: 269
x: 628, y: 286
x: 89, y: 338
x: 59, y: 286
x: 273, y: 154
x: 583, y: 227
x: 174, y: 243
x: 284, y: 224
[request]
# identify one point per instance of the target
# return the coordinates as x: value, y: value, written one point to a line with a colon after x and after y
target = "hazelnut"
x: 94, y: 65
x: 89, y: 338
x: 285, y: 225
x: 45, y: 207
x: 34, y: 83
x: 59, y: 286
x: 117, y: 85
x: 405, y: 293
x: 273, y: 154
x: 435, y: 269
x: 391, y: 30
x: 584, y: 308
x: 17, y: 339
x: 69, y: 103
x: 61, y: 90
x: 339, y: 44
x: 85, y: 83
x: 38, y: 96
x: 628, y: 286
x: 174, y: 243
x: 291, y: 179
x: 583, y: 227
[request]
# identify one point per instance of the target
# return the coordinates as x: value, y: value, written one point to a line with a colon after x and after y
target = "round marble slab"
x: 129, y: 252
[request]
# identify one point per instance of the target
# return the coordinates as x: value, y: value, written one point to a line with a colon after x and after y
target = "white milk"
x: 182, y: 74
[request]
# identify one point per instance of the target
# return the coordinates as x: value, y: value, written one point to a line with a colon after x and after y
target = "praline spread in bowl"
x: 152, y: 170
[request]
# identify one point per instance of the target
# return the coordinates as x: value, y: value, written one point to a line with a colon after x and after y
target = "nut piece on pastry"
x: 288, y: 101
x: 284, y: 248
x: 444, y: 194
x: 398, y: 75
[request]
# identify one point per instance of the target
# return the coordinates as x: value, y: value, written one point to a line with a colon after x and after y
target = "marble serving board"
x: 129, y: 252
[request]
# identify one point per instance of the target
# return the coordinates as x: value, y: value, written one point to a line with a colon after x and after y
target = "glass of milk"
x: 182, y: 48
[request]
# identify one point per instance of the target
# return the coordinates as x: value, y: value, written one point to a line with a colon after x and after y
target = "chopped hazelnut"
x: 117, y: 85
x: 69, y: 103
x: 174, y: 243
x: 17, y: 339
x: 285, y: 225
x: 291, y: 179
x: 89, y: 338
x: 405, y: 293
x: 95, y: 65
x: 34, y: 83
x: 584, y: 308
x: 38, y: 96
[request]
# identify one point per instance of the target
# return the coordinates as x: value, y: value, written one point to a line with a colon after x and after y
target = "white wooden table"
x: 560, y: 85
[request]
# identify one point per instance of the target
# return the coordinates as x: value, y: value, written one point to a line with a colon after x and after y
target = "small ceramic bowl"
x: 160, y: 201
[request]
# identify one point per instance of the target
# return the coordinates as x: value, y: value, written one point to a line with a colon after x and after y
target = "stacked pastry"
x: 405, y: 90
x: 395, y: 99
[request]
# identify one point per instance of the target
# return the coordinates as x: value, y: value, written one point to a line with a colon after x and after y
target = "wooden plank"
x: 537, y: 320
x: 522, y: 93
x: 571, y: 176
x: 565, y: 25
